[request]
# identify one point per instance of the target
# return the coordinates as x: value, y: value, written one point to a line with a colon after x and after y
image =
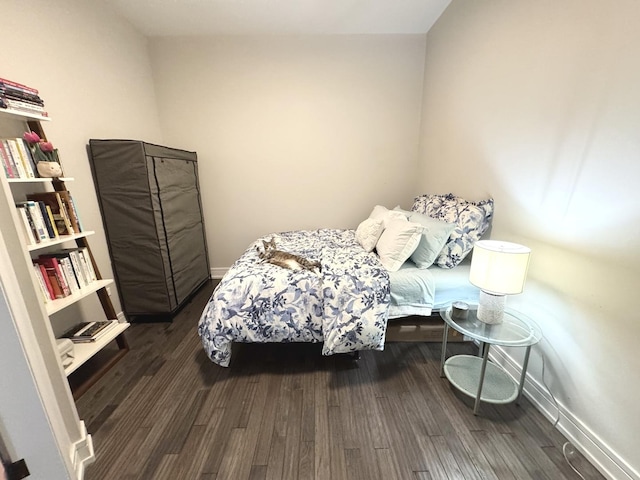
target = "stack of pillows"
x: 439, y: 230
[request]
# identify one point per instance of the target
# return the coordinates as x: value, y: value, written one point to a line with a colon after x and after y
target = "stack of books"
x: 16, y: 158
x: 47, y: 215
x: 17, y: 96
x: 85, y: 332
x: 64, y: 273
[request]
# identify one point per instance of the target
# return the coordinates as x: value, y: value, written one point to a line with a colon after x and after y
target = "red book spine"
x: 18, y: 85
x: 51, y: 263
x: 47, y: 282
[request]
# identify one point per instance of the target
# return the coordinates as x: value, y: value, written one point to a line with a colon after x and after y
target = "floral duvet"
x: 345, y: 305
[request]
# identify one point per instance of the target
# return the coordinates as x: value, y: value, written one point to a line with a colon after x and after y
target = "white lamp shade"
x: 499, y: 267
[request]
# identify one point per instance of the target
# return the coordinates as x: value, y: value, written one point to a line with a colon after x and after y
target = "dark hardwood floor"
x: 284, y: 411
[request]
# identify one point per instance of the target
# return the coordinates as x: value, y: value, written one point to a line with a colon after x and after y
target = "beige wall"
x: 538, y: 105
x: 292, y: 132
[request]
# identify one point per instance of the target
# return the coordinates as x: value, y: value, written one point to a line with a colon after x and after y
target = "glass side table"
x: 474, y: 375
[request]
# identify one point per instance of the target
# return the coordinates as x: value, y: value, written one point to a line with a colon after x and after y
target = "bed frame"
x: 419, y: 329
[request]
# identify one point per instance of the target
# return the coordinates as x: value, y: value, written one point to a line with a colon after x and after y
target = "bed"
x: 369, y: 277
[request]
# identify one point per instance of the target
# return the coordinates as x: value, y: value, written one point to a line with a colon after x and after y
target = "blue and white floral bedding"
x: 345, y: 305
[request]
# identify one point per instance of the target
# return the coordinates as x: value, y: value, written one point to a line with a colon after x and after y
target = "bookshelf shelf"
x: 67, y: 269
x: 18, y: 115
x: 55, y: 306
x: 59, y: 240
x: 39, y: 180
x: 82, y: 352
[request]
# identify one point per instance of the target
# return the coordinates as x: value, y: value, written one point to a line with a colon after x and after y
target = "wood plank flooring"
x: 286, y: 412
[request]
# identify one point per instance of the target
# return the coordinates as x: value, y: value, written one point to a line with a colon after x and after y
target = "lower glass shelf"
x: 463, y: 371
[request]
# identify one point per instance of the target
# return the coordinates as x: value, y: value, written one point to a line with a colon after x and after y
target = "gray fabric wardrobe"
x: 150, y: 202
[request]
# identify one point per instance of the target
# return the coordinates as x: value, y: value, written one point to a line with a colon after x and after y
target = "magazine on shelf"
x: 88, y: 331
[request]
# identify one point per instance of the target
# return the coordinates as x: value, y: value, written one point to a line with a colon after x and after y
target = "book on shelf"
x: 47, y: 220
x: 85, y: 258
x: 84, y: 277
x: 35, y: 214
x: 8, y: 159
x: 67, y: 201
x: 55, y: 273
x: 71, y: 270
x: 29, y: 227
x: 84, y: 332
x: 52, y: 221
x: 27, y: 158
x: 6, y: 162
x: 40, y: 276
x: 58, y: 210
x: 20, y: 97
x: 18, y: 86
x: 47, y: 282
x: 51, y: 280
x: 10, y: 93
x: 86, y: 264
x: 12, y: 148
x: 19, y: 153
x: 69, y: 273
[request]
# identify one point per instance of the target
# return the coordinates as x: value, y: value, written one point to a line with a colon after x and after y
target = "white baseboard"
x: 83, y: 453
x: 607, y: 461
x: 121, y: 317
x: 218, y: 272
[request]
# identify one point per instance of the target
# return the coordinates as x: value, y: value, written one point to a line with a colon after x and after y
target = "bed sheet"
x: 417, y: 291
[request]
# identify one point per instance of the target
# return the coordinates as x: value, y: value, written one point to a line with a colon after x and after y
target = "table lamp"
x: 497, y: 269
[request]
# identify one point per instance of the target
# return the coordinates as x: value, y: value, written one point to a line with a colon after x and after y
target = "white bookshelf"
x: 14, y: 190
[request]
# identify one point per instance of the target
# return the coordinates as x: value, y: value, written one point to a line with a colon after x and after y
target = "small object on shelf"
x: 459, y: 310
x: 49, y: 169
x: 65, y: 350
x: 87, y: 331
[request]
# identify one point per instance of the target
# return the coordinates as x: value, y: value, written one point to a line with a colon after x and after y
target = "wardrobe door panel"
x: 179, y: 199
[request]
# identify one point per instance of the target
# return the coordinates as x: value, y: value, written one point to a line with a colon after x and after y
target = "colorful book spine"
x: 4, y: 146
x: 84, y: 252
x: 17, y: 159
x: 52, y: 265
x: 47, y: 282
x: 36, y: 216
x: 29, y: 227
x: 18, y: 86
x: 25, y: 152
x: 6, y: 162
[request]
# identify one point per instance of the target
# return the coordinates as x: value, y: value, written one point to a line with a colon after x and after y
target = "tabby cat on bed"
x: 282, y: 259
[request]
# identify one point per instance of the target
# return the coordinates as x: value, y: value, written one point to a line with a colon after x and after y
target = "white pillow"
x: 398, y: 241
x: 432, y: 241
x: 383, y: 213
x: 368, y: 233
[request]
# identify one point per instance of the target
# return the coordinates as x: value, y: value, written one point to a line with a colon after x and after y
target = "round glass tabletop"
x: 516, y: 329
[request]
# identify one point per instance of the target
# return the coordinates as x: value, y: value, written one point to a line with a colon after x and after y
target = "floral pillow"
x: 471, y: 221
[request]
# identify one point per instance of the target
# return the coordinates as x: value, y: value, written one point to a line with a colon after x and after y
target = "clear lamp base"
x: 491, y: 308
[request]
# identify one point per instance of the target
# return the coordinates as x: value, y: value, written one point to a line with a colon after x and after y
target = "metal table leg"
x: 444, y: 348
x: 523, y: 374
x: 485, y: 357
